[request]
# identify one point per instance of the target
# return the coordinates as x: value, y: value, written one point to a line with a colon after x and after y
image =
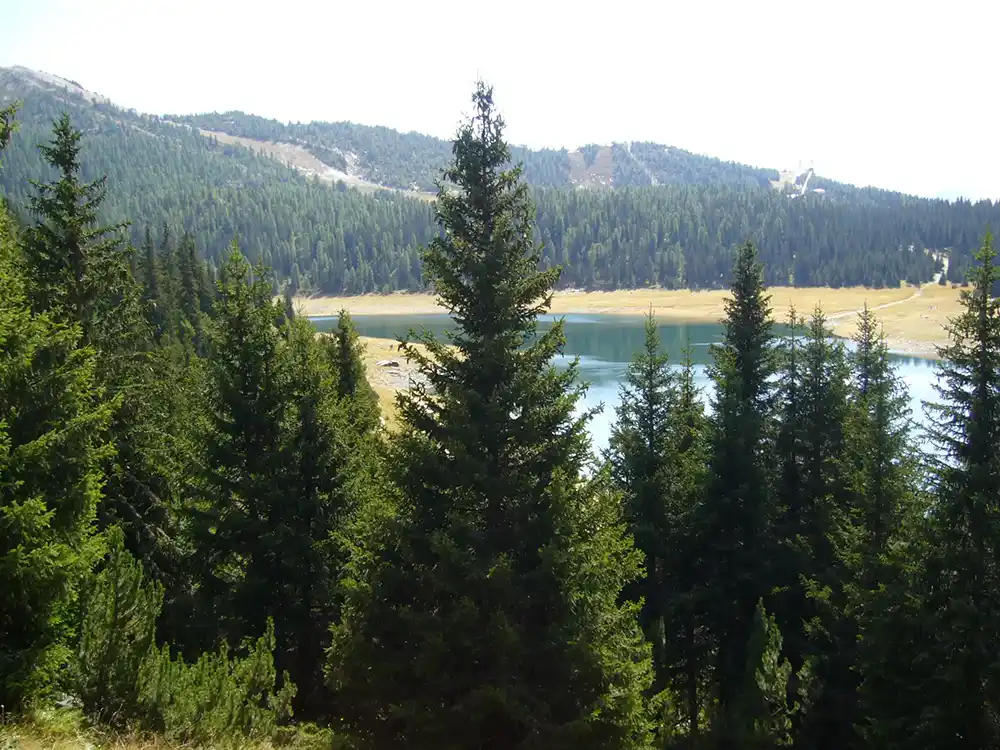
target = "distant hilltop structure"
x: 795, y: 182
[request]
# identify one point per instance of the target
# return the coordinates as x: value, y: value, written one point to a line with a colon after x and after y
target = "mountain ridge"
x: 343, y: 209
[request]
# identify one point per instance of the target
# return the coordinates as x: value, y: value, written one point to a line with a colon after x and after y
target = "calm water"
x: 605, y: 345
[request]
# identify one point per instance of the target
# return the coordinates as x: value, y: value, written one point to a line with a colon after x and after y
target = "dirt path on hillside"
x: 883, y: 306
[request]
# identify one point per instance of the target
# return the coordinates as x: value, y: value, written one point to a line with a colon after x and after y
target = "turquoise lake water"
x: 605, y: 345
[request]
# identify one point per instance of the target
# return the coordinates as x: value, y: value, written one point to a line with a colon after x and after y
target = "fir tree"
x: 960, y: 580
x: 8, y: 125
x: 494, y: 620
x: 735, y: 523
x: 352, y: 382
x: 639, y: 453
x: 244, y: 481
x: 80, y: 269
x: 51, y: 453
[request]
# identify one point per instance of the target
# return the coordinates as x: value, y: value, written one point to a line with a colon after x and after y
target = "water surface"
x: 605, y: 345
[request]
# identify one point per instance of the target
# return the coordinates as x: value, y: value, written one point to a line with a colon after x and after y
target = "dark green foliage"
x: 734, y: 525
x: 51, y: 452
x: 815, y: 531
x: 285, y: 461
x: 640, y: 454
x: 677, y: 233
x: 959, y: 581
x: 220, y: 699
x: 493, y: 619
x: 8, y: 125
x: 125, y: 680
x: 79, y: 269
x: 879, y: 450
x: 120, y: 609
x: 352, y: 383
x: 243, y: 483
x: 657, y: 454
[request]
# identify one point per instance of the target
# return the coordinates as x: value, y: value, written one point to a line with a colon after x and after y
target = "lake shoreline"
x: 913, y: 318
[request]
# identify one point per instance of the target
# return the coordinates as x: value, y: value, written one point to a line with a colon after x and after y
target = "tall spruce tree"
x: 51, y: 450
x: 243, y: 484
x: 640, y: 453
x: 734, y: 528
x: 493, y: 619
x: 689, y: 644
x: 352, y: 382
x: 816, y: 528
x: 879, y: 453
x: 80, y: 269
x: 657, y: 453
x: 960, y: 583
x: 890, y: 651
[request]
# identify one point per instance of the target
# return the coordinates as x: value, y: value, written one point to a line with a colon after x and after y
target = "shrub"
x: 123, y: 678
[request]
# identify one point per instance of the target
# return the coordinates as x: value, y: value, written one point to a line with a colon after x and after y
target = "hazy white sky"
x: 902, y: 95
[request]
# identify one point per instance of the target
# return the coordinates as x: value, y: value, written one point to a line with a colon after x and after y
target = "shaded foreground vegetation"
x: 207, y: 536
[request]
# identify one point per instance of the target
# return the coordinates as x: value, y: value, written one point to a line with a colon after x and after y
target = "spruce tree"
x: 243, y: 482
x: 80, y: 269
x: 51, y: 452
x: 960, y: 582
x: 734, y: 528
x: 881, y: 458
x: 816, y: 528
x: 890, y: 655
x: 657, y: 454
x: 8, y: 125
x: 352, y: 381
x: 331, y: 470
x: 493, y: 619
x: 81, y: 272
x: 689, y: 645
x: 639, y: 453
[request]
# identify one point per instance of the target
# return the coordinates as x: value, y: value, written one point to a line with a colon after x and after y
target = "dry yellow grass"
x: 914, y: 318
x: 677, y: 305
x: 916, y: 326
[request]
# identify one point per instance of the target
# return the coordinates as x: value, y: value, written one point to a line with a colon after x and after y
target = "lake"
x: 605, y: 345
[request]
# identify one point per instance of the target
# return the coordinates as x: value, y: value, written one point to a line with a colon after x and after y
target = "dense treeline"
x: 187, y: 467
x: 680, y: 232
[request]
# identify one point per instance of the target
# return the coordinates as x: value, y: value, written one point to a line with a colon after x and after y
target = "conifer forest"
x: 209, y: 536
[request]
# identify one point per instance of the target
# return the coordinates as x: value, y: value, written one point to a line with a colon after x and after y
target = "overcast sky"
x: 902, y: 95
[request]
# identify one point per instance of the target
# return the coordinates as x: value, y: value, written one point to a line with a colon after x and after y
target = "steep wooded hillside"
x: 342, y: 208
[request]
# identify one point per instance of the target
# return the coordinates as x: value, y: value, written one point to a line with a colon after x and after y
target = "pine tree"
x: 8, y: 125
x: 960, y: 580
x: 817, y: 529
x: 352, y: 382
x: 79, y: 268
x: 639, y: 454
x: 733, y: 534
x: 890, y: 655
x: 51, y: 453
x: 493, y: 619
x: 243, y: 485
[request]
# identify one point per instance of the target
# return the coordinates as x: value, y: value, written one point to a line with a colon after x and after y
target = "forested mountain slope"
x: 671, y: 218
